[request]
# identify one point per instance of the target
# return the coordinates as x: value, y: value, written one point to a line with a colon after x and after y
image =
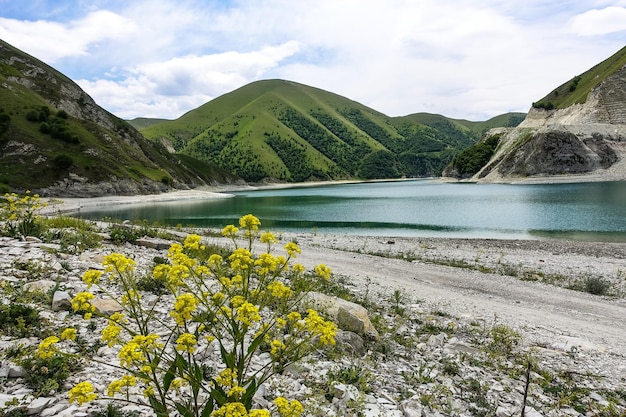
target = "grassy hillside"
x: 292, y: 132
x: 577, y: 89
x: 144, y: 122
x: 51, y: 132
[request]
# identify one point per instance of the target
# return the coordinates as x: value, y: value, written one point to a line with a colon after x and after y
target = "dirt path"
x: 546, y: 315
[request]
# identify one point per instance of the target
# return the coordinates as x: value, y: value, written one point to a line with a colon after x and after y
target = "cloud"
x: 599, y: 21
x: 462, y: 59
x: 177, y: 85
x: 52, y: 41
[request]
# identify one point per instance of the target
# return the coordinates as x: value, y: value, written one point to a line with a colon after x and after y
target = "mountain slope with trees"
x: 54, y: 139
x: 286, y: 131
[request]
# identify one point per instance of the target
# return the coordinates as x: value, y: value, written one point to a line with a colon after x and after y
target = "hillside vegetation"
x: 577, y: 89
x: 52, y: 134
x: 287, y: 131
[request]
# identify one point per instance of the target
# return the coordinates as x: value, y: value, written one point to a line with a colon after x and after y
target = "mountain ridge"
x: 288, y: 131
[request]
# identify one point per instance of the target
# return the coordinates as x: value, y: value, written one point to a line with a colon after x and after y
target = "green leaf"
x: 255, y: 343
x: 251, y: 389
x: 228, y: 359
x: 219, y: 395
x: 206, y: 412
x: 159, y: 408
x: 169, y: 377
x: 183, y: 410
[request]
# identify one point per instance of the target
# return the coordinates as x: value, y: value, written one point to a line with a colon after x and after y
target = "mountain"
x: 578, y: 131
x: 55, y: 140
x: 286, y: 131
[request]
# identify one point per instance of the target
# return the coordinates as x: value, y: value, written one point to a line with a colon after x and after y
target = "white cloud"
x: 171, y: 87
x: 51, y: 41
x: 462, y: 59
x: 599, y: 21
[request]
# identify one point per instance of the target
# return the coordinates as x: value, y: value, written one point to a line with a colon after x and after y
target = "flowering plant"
x: 20, y: 214
x: 239, y: 305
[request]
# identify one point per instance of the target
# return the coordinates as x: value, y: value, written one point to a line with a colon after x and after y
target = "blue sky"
x: 462, y: 59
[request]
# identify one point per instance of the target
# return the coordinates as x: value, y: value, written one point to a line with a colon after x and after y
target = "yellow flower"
x: 259, y: 413
x: 231, y: 410
x: 248, y: 313
x: 91, y: 277
x: 241, y: 259
x: 116, y: 385
x: 297, y: 268
x: 110, y: 334
x: 236, y: 392
x: 288, y: 408
x: 266, y: 263
x: 80, y: 302
x: 130, y: 296
x: 117, y: 262
x: 186, y: 342
x: 277, y: 347
x: 215, y: 260
x: 279, y: 290
x: 82, y: 393
x: 292, y: 249
x: 161, y: 272
x: 237, y: 301
x: 184, y: 306
x: 177, y: 275
x: 230, y: 231
x: 269, y: 238
x: 69, y: 334
x: 249, y: 222
x: 218, y: 298
x: 323, y: 271
x: 46, y: 347
x: 192, y: 242
x: 317, y: 326
x: 226, y: 378
x: 129, y: 353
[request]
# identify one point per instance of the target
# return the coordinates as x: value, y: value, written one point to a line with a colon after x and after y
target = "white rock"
x: 36, y: 406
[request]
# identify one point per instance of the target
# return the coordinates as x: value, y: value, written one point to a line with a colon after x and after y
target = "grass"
x: 577, y: 89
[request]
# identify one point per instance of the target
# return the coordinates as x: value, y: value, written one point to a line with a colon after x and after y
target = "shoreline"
x: 73, y: 205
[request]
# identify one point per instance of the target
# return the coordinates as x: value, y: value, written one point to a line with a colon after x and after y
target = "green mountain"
x: 288, y: 131
x: 577, y: 89
x: 55, y: 140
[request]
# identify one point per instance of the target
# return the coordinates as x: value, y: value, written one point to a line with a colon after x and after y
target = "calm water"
x: 590, y: 211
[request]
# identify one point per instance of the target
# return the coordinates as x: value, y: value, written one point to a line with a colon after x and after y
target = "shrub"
x: 63, y: 162
x: 596, y: 286
x: 19, y: 320
x: 120, y: 235
x: 62, y: 114
x: 241, y: 304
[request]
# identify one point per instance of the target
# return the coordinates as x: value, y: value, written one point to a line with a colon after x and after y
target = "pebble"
x: 415, y: 367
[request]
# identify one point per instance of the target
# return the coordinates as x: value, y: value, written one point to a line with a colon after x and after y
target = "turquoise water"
x: 590, y: 211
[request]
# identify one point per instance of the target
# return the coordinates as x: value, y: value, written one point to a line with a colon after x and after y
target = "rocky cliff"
x: 584, y: 140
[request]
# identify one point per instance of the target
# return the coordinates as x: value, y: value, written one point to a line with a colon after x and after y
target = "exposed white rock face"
x: 587, y: 141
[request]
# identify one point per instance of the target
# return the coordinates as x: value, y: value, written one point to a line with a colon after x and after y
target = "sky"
x: 464, y: 59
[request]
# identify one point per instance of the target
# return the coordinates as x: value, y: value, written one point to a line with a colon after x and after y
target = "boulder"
x: 61, y: 300
x: 348, y: 315
x: 106, y: 306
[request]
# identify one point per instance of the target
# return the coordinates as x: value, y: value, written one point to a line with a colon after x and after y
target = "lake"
x: 421, y: 208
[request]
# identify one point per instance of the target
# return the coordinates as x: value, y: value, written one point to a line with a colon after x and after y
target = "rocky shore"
x: 458, y: 321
